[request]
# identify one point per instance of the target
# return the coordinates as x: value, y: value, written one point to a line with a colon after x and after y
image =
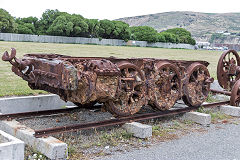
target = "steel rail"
x: 117, y: 121
x: 221, y: 92
x: 37, y: 113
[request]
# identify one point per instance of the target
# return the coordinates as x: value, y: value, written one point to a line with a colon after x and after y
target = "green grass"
x: 10, y: 84
x: 215, y: 115
x: 210, y: 98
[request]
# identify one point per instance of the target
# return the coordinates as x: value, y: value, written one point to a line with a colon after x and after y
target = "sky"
x: 112, y: 9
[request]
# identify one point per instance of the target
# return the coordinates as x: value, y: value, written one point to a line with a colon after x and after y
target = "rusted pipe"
x: 221, y: 92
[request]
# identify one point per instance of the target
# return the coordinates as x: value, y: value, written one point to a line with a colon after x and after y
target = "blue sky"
x: 112, y: 9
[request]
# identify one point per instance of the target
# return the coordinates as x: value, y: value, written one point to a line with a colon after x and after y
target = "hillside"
x: 201, y: 25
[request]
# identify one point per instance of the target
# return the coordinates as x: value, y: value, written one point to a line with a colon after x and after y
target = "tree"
x: 182, y: 35
x: 26, y: 28
x: 32, y: 20
x: 169, y: 37
x: 80, y: 27
x: 68, y: 25
x: 121, y: 31
x: 54, y: 22
x: 27, y: 25
x: 144, y: 33
x: 47, y: 20
x: 93, y: 28
x: 191, y: 40
x: 61, y: 27
x: 106, y: 28
x: 161, y: 38
x: 179, y: 31
x: 7, y: 23
x: 114, y: 30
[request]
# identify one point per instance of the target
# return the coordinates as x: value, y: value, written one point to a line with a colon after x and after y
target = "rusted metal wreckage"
x: 123, y: 85
x: 228, y: 74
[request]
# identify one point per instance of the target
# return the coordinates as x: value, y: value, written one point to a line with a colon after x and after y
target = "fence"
x: 81, y: 40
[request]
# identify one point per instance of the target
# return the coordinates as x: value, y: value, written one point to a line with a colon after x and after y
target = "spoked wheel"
x: 226, y: 69
x: 167, y: 87
x: 130, y: 93
x: 235, y: 94
x: 196, y: 85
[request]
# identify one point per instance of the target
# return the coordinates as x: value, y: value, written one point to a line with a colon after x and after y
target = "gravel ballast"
x: 114, y: 140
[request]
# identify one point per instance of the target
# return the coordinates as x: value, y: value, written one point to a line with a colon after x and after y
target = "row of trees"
x: 54, y: 22
x: 175, y: 35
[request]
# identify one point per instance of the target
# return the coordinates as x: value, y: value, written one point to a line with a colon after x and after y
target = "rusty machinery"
x: 123, y: 85
x: 228, y: 74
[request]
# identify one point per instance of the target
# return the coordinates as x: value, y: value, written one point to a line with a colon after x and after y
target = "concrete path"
x: 216, y: 144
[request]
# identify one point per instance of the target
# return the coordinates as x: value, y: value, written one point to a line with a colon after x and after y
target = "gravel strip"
x: 78, y: 116
x: 75, y: 117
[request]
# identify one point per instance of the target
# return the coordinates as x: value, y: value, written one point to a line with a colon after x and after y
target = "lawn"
x: 10, y: 84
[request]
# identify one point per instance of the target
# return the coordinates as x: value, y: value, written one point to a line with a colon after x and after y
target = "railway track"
x: 105, y: 123
x: 35, y: 114
x: 122, y: 120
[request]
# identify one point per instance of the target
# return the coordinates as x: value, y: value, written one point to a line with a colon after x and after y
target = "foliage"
x: 179, y: 31
x: 121, y: 30
x: 169, y: 37
x: 149, y: 34
x: 7, y: 23
x: 61, y: 27
x: 144, y: 33
x: 47, y: 20
x: 114, y: 29
x: 80, y: 27
x: 93, y: 27
x: 180, y: 35
x: 54, y: 22
x: 161, y: 37
x: 26, y: 28
x: 27, y: 25
x: 68, y: 25
x: 32, y: 20
x: 106, y: 28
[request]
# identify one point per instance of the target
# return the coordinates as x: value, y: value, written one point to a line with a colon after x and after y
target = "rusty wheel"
x: 226, y: 69
x: 167, y: 87
x: 235, y: 94
x: 131, y: 91
x: 196, y: 85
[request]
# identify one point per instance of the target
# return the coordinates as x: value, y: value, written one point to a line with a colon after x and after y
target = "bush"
x: 169, y: 37
x: 178, y: 35
x: 144, y: 33
x: 161, y: 38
